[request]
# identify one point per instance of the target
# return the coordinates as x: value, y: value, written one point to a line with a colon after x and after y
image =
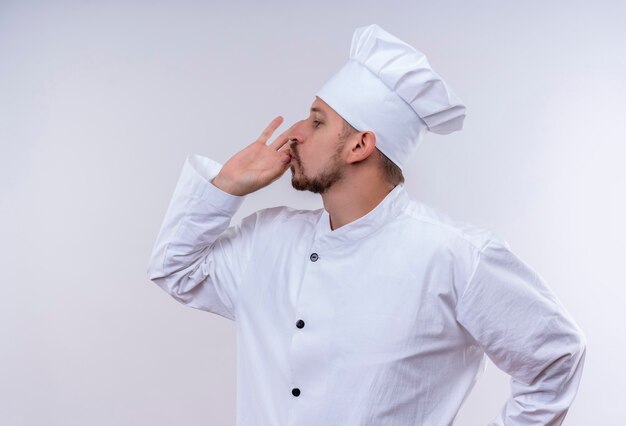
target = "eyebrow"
x: 316, y: 109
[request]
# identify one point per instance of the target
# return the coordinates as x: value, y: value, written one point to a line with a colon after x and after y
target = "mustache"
x: 292, y: 148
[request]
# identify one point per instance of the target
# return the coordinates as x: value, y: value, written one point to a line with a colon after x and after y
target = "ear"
x: 363, y: 144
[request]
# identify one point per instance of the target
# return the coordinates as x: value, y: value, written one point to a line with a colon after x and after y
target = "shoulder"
x: 433, y: 226
x: 448, y: 245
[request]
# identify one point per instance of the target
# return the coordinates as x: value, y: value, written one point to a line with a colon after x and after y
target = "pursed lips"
x: 293, y: 155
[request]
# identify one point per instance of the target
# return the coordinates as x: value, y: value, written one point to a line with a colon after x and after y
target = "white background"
x: 100, y: 103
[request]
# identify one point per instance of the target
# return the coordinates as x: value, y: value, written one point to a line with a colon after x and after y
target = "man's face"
x: 316, y: 149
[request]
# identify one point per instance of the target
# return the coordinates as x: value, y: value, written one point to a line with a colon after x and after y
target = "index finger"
x: 281, y: 140
x: 270, y: 129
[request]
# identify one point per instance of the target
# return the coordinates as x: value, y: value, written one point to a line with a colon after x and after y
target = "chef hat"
x: 389, y: 88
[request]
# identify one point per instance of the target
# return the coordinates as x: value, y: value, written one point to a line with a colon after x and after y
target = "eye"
x: 318, y: 123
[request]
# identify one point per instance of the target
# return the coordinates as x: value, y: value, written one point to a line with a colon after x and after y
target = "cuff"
x: 198, y: 172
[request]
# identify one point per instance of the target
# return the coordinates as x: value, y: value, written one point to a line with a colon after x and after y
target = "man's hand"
x: 257, y: 165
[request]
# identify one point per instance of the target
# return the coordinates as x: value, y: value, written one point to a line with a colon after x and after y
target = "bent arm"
x: 527, y: 333
x: 197, y: 258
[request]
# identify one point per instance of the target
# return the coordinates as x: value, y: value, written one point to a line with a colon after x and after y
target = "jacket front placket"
x: 315, y: 313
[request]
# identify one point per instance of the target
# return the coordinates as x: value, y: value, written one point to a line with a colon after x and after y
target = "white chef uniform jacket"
x: 383, y: 321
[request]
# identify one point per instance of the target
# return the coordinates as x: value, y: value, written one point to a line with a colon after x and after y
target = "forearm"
x: 547, y: 399
x: 198, y: 214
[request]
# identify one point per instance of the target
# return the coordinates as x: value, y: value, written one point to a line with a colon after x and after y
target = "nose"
x: 296, y: 133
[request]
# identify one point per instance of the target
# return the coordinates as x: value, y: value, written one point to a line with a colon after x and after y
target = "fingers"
x: 281, y: 140
x: 270, y: 129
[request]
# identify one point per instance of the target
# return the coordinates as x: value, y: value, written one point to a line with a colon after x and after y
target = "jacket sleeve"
x: 197, y: 258
x: 526, y: 331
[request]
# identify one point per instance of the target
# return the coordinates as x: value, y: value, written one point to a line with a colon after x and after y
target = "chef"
x: 375, y: 309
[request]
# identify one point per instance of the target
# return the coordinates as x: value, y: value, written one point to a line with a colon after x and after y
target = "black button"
x: 295, y: 391
x: 314, y: 257
x: 300, y: 324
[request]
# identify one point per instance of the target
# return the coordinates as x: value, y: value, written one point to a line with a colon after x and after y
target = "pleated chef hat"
x: 389, y: 88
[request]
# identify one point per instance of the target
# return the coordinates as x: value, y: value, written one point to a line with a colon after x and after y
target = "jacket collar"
x: 389, y: 208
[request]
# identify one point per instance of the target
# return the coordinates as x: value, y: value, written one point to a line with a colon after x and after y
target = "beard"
x: 332, y: 173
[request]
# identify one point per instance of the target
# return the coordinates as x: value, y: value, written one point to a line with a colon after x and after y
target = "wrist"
x: 222, y: 184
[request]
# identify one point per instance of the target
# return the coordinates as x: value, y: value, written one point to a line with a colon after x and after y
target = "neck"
x: 350, y: 199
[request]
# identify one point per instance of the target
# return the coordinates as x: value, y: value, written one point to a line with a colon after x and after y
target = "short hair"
x: 390, y: 170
